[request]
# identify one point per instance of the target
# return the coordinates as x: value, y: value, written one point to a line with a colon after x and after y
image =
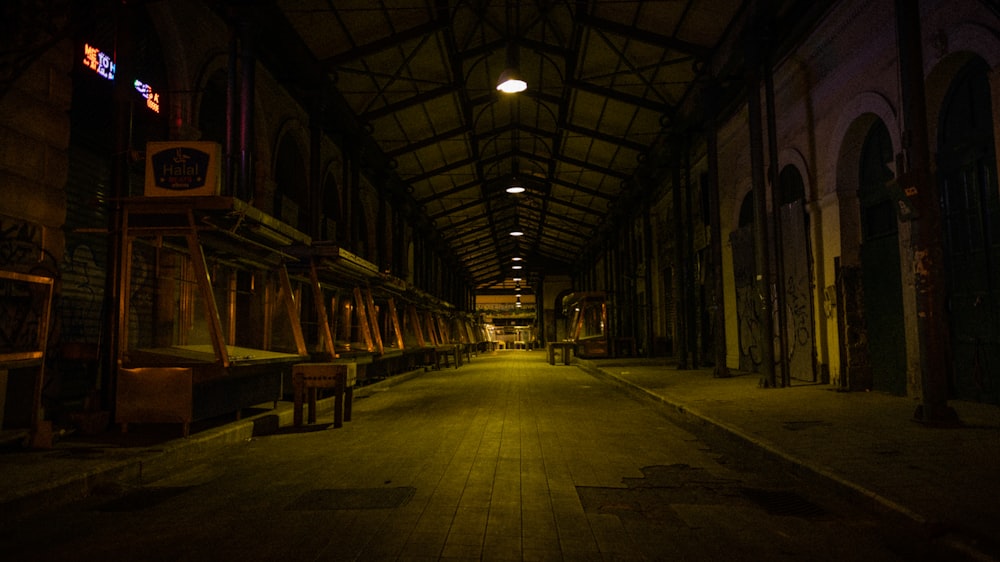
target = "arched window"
x: 291, y: 196
x: 746, y: 210
x: 791, y: 186
x: 333, y: 224
x: 212, y: 111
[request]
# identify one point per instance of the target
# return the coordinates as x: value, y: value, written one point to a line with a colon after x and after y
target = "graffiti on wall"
x: 22, y: 247
x: 21, y: 308
x: 797, y: 293
x: 81, y: 296
x: 795, y: 303
x: 747, y: 300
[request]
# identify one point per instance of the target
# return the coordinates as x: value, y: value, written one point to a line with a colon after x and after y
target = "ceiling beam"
x: 386, y: 43
x: 571, y: 220
x: 430, y: 141
x: 604, y: 137
x: 582, y: 189
x: 441, y: 91
x: 449, y: 192
x: 629, y: 99
x: 439, y: 171
x: 588, y: 166
x: 461, y: 207
x: 650, y: 37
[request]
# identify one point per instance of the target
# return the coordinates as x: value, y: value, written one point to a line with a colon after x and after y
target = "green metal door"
x: 880, y: 265
x: 971, y: 212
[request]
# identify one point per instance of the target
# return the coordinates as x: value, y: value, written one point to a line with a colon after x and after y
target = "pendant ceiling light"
x: 515, y: 186
x: 516, y: 230
x: 510, y: 81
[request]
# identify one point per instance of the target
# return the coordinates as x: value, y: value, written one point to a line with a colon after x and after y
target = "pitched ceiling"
x: 605, y: 77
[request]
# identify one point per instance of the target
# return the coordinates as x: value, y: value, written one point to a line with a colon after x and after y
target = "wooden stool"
x: 308, y: 377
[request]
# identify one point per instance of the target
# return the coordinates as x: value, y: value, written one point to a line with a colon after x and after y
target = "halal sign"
x: 180, y: 169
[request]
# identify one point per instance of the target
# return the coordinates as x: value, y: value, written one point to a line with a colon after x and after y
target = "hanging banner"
x: 175, y: 169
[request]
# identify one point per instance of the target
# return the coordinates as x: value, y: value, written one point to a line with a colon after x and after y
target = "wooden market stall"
x: 465, y: 333
x: 358, y: 314
x: 588, y: 323
x: 208, y: 321
x: 24, y: 330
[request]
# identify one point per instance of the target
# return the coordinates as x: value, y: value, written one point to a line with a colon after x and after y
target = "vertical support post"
x: 715, y: 224
x: 197, y: 256
x: 680, y: 302
x: 315, y: 171
x: 418, y: 330
x: 540, y: 311
x: 292, y: 310
x: 232, y: 102
x: 928, y: 249
x: 376, y: 329
x: 231, y: 308
x: 761, y: 246
x: 779, y: 259
x: 396, y: 326
x: 115, y: 309
x: 647, y: 246
x: 361, y: 310
x: 123, y: 289
x: 324, y: 321
x: 248, y: 66
x: 690, y: 300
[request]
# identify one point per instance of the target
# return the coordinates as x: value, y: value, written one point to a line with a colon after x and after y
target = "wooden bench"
x: 446, y: 351
x: 564, y: 347
x: 307, y: 378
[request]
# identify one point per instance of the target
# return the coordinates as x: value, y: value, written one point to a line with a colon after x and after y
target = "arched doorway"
x: 745, y: 275
x: 880, y: 264
x: 971, y: 222
x: 796, y: 277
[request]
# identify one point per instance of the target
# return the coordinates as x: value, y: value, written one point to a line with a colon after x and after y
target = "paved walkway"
x: 946, y: 480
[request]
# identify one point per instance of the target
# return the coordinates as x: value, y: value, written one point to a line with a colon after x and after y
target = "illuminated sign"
x: 146, y: 91
x: 182, y: 168
x: 98, y: 61
x: 102, y: 63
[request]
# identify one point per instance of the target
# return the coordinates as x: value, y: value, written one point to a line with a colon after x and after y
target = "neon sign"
x: 102, y: 63
x: 146, y: 91
x: 98, y: 61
